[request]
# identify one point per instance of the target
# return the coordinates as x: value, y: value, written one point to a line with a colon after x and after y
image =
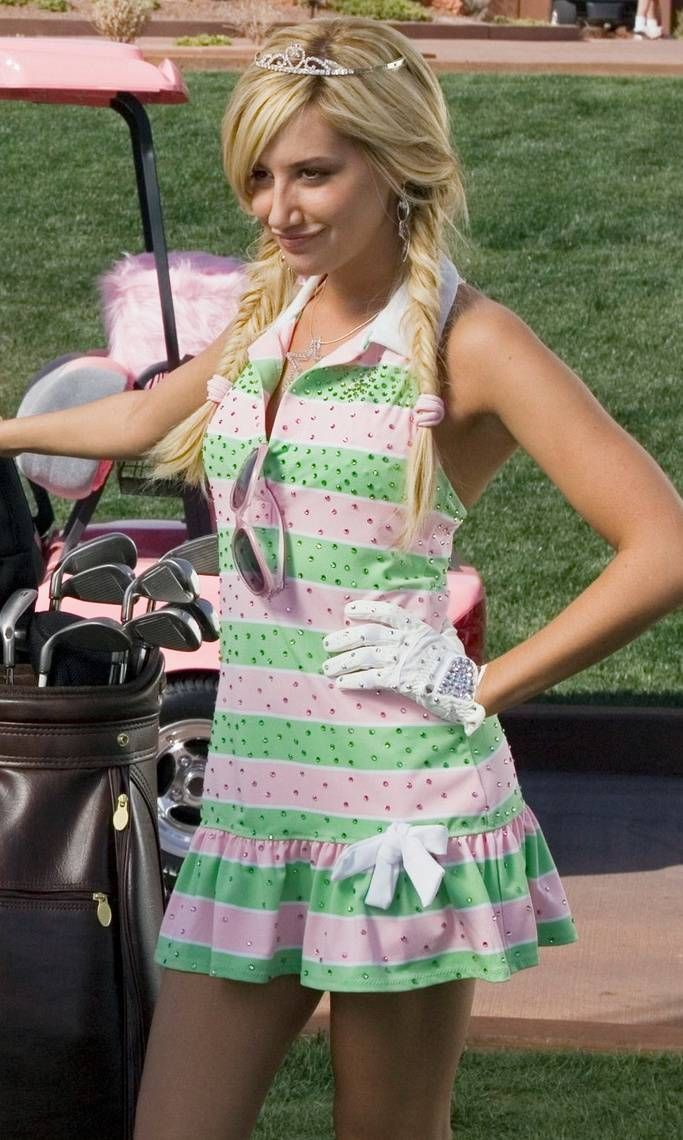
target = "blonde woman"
x: 363, y: 829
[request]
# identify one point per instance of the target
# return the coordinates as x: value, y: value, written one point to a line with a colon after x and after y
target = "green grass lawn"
x: 518, y: 1095
x: 574, y: 193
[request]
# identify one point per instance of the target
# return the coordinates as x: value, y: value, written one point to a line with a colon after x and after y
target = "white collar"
x: 292, y: 310
x: 387, y: 327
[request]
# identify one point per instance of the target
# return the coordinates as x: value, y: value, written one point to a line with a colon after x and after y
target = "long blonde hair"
x: 400, y: 121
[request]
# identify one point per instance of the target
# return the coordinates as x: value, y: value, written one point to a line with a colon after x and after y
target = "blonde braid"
x: 269, y: 286
x: 423, y: 281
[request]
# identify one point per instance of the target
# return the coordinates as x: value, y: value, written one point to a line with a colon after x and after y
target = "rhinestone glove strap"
x: 396, y: 650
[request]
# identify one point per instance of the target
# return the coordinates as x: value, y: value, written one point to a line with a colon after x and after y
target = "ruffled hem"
x: 254, y: 908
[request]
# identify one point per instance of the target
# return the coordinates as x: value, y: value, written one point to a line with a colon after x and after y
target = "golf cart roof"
x: 83, y: 70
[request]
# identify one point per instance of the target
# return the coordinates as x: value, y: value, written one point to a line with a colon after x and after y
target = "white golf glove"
x: 398, y: 651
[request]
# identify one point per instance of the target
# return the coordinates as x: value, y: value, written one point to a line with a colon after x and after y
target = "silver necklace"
x: 312, y: 349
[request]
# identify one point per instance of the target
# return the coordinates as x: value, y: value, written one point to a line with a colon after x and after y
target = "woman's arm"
x: 117, y: 427
x: 500, y: 372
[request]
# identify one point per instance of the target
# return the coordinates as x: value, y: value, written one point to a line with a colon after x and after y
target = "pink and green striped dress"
x: 299, y: 770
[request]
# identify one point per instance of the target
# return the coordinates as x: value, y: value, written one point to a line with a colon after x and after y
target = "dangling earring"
x: 282, y: 257
x: 403, y: 214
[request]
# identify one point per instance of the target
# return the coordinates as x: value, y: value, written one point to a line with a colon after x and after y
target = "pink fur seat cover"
x: 206, y: 291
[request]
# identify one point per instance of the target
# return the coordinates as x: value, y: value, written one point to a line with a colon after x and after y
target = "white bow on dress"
x: 401, y: 844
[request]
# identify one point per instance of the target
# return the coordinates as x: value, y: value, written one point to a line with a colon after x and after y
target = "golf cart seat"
x: 65, y: 383
x: 205, y: 288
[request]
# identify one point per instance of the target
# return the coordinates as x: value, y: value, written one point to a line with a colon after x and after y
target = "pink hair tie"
x: 217, y: 388
x: 429, y: 410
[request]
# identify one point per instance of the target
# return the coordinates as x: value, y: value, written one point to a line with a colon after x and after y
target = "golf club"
x: 170, y: 580
x: 115, y: 547
x: 99, y: 634
x: 205, y: 616
x: 13, y: 610
x: 169, y: 628
x: 105, y: 583
x: 201, y: 552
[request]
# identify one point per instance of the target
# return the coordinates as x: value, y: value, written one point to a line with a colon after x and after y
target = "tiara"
x: 294, y: 61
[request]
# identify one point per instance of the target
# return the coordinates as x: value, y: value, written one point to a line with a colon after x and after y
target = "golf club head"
x: 43, y: 624
x: 185, y: 575
x: 201, y: 552
x: 169, y: 580
x: 115, y: 547
x: 206, y: 617
x: 102, y: 635
x: 18, y: 603
x: 169, y: 628
x: 105, y: 583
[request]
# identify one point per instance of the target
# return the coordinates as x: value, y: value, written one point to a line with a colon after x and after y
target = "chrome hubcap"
x: 183, y: 747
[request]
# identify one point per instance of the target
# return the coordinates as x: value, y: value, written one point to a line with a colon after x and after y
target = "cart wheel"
x: 184, y: 734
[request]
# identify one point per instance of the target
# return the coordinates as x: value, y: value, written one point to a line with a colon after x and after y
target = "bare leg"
x: 647, y: 15
x: 394, y: 1058
x: 214, y: 1048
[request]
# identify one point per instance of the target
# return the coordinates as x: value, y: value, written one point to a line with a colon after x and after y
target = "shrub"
x: 204, y: 40
x: 53, y: 5
x: 476, y: 8
x: 398, y: 10
x: 253, y: 18
x: 120, y: 20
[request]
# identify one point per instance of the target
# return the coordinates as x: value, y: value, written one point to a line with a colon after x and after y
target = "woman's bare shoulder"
x: 472, y: 315
x: 477, y: 326
x: 466, y: 298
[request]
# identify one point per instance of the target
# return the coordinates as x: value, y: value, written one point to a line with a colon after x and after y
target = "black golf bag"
x: 81, y: 891
x: 21, y: 559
